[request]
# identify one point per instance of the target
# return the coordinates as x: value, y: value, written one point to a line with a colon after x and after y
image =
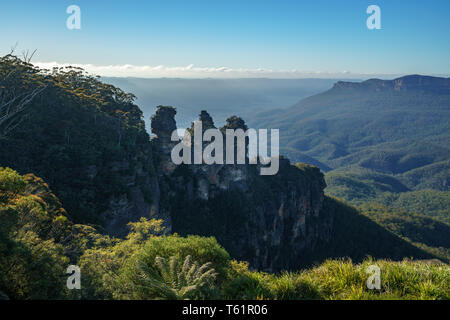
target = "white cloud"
x: 190, y: 71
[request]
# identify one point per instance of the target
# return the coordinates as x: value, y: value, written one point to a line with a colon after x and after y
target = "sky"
x: 246, y: 38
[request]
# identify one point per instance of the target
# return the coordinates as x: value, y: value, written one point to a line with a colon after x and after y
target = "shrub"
x: 200, y: 249
x: 171, y: 281
x: 11, y: 183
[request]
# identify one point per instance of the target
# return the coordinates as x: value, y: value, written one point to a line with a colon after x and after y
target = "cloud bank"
x: 192, y: 71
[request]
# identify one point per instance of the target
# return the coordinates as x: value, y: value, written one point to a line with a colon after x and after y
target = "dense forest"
x: 76, y: 125
x: 70, y: 143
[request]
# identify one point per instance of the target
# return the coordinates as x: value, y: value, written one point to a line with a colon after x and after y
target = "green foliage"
x: 31, y: 261
x: 110, y: 271
x: 34, y: 268
x: 426, y: 233
x: 421, y: 216
x: 201, y: 249
x: 171, y: 281
x: 357, y: 184
x: 143, y: 229
x: 430, y: 203
x: 356, y: 235
x: 244, y: 284
x: 11, y: 183
x: 399, y: 280
x: 341, y: 279
x: 251, y: 285
x: 102, y: 261
x: 433, y: 176
x: 35, y: 239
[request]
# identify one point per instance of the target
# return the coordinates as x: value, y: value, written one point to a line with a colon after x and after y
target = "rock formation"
x: 267, y: 220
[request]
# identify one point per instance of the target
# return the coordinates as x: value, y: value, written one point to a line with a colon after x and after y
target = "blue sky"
x: 293, y: 36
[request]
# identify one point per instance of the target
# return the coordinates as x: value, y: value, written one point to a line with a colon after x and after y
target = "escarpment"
x: 266, y: 220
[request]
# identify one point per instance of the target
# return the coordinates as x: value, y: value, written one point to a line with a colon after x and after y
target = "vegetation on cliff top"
x: 70, y: 134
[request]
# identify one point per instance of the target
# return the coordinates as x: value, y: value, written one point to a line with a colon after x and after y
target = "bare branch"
x: 27, y: 56
x: 16, y: 93
x: 13, y: 48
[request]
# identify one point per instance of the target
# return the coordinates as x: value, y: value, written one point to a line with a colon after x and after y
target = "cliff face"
x: 140, y: 195
x: 266, y: 220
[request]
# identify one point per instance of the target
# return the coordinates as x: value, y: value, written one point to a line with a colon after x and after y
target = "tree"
x: 20, y: 83
x: 11, y: 183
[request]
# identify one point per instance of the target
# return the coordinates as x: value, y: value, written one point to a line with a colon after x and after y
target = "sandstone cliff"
x: 266, y: 220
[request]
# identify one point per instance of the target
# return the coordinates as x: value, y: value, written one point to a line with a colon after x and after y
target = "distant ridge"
x: 390, y: 126
x: 407, y: 83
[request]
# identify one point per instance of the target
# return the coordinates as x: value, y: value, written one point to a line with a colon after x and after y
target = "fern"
x: 169, y: 280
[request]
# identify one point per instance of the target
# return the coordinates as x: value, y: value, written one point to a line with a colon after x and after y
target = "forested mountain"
x: 75, y: 134
x: 358, y: 186
x: 391, y: 126
x: 382, y: 141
